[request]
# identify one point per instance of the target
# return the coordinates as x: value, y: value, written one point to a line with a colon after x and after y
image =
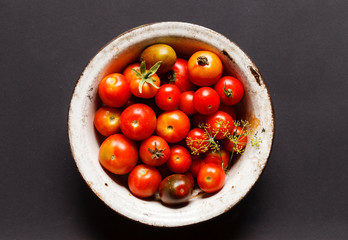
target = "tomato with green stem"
x: 178, y: 76
x: 154, y: 151
x: 230, y: 90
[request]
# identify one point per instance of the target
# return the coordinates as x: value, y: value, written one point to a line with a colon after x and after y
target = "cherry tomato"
x: 154, y: 151
x: 206, y: 100
x: 230, y: 90
x: 173, y: 126
x: 218, y: 157
x: 220, y: 124
x: 204, y: 68
x: 179, y: 160
x: 211, y: 178
x: 144, y: 83
x: 114, y: 90
x: 159, y: 52
x: 144, y: 180
x: 237, y: 141
x: 175, y: 189
x: 118, y: 154
x: 129, y: 73
x: 229, y: 110
x: 186, y: 103
x: 107, y: 121
x: 179, y: 76
x: 138, y: 121
x: 197, y: 140
x: 168, y: 97
x: 190, y: 177
x: 197, y: 163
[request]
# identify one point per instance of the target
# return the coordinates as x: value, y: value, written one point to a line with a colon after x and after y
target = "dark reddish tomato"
x: 211, y: 177
x: 179, y: 160
x: 114, y: 90
x: 144, y: 83
x: 175, y: 189
x: 197, y: 163
x: 206, y: 100
x: 107, y: 121
x: 159, y: 52
x: 190, y: 177
x: 154, y: 151
x: 179, y: 76
x: 138, y: 121
x: 118, y: 154
x: 204, y: 68
x: 229, y: 110
x: 198, y: 119
x: 220, y: 124
x: 218, y: 157
x: 144, y: 180
x: 197, y: 141
x: 237, y: 140
x: 230, y: 90
x: 168, y: 97
x: 173, y: 126
x: 186, y: 103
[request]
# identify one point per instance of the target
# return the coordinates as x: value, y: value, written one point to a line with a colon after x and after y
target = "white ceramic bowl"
x: 185, y: 38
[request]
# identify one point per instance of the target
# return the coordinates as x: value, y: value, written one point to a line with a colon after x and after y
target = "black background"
x: 300, y: 48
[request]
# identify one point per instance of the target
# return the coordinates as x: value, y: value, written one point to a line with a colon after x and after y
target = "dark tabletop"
x: 300, y: 48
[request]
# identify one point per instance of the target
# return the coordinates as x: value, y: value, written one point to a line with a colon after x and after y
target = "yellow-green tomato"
x: 159, y: 52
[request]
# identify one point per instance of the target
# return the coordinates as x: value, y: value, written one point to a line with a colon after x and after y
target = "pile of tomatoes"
x: 164, y: 119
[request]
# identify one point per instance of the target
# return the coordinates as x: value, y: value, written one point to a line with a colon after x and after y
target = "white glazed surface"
x: 185, y: 38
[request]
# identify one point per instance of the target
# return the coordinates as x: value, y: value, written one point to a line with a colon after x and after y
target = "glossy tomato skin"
x: 197, y: 163
x: 118, y: 154
x: 129, y: 73
x: 168, y: 97
x: 159, y: 52
x: 144, y: 180
x: 175, y: 189
x: 197, y: 140
x: 154, y: 151
x: 186, y: 103
x: 206, y: 100
x: 114, y: 90
x: 220, y: 124
x: 138, y: 121
x: 211, y: 177
x: 232, y: 145
x: 148, y: 91
x: 107, y: 120
x: 218, y: 157
x: 173, y: 126
x: 230, y: 90
x: 179, y: 76
x: 179, y: 160
x: 204, y: 68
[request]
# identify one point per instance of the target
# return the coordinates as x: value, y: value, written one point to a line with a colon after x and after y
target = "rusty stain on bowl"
x: 185, y: 38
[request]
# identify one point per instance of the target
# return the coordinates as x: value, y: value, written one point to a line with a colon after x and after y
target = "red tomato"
x: 175, y: 189
x: 179, y: 160
x: 186, y: 103
x: 237, y: 141
x: 206, y: 100
x: 107, y: 121
x: 218, y: 157
x: 143, y: 83
x: 168, y: 97
x: 138, y: 121
x: 211, y: 178
x: 118, y: 154
x: 197, y: 163
x: 204, y: 68
x: 190, y: 177
x: 129, y: 73
x: 229, y: 110
x: 173, y: 126
x: 230, y: 90
x: 197, y: 140
x: 220, y: 124
x: 114, y: 90
x: 179, y: 76
x: 144, y: 180
x: 154, y: 151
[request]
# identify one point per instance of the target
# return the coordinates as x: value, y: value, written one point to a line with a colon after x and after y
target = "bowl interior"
x: 185, y: 39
